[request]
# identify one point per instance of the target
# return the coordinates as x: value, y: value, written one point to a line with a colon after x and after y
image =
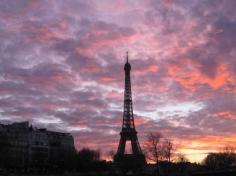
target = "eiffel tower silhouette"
x: 136, y: 160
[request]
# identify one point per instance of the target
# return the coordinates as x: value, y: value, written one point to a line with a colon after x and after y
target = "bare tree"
x: 228, y: 149
x: 182, y: 162
x: 153, y: 148
x: 181, y: 158
x: 111, y: 154
x: 168, y: 150
x: 224, y: 159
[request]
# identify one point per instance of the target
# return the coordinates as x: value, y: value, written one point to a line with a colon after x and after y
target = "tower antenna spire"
x: 127, y: 56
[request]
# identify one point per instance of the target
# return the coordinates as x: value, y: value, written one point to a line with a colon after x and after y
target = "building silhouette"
x: 135, y: 160
x: 28, y: 148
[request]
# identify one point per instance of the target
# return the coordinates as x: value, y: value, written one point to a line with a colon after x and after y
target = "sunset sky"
x: 61, y: 67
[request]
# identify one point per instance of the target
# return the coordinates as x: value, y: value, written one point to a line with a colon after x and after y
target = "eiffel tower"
x: 136, y: 160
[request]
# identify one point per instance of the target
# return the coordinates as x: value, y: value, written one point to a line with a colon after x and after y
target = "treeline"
x: 221, y: 160
x: 168, y: 161
x: 84, y: 160
x: 87, y: 160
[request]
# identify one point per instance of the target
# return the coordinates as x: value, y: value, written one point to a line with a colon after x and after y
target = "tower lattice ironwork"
x: 135, y: 160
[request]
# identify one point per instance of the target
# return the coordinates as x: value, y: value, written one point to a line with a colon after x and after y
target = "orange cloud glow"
x: 190, y: 77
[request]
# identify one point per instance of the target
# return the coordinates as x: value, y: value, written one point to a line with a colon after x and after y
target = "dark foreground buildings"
x: 23, y: 147
x: 135, y: 160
